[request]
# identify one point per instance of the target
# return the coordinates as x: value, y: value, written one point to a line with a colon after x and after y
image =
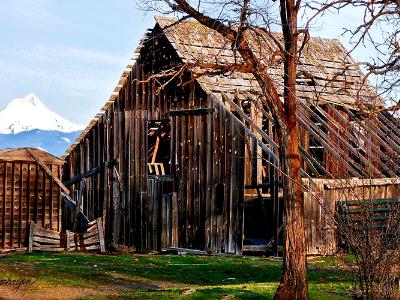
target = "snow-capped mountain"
x: 28, y: 113
x: 27, y: 122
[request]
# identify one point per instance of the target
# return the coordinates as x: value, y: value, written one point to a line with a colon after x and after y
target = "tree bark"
x: 294, y: 281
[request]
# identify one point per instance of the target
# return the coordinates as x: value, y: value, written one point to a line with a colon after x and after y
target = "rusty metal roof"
x: 336, y: 76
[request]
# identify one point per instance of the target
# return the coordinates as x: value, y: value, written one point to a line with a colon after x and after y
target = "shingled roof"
x: 336, y: 77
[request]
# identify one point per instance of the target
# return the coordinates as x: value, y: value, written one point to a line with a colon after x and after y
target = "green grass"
x: 173, y: 277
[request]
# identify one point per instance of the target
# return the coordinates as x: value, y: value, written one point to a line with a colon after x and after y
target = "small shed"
x: 28, y: 192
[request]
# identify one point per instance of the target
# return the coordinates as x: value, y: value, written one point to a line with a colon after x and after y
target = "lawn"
x: 90, y: 276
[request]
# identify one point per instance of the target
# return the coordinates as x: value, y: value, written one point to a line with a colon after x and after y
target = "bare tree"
x: 237, y: 21
x: 236, y: 27
x: 378, y: 28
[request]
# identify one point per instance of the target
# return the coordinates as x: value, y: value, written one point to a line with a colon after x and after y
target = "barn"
x: 28, y: 192
x: 181, y: 158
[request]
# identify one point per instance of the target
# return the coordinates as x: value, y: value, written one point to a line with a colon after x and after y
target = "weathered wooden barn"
x: 28, y: 193
x: 191, y: 160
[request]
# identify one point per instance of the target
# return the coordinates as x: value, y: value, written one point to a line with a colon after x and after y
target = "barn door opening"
x: 160, y: 221
x: 263, y: 203
x: 189, y: 164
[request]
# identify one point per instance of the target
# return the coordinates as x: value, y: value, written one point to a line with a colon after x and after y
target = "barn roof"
x: 22, y: 154
x: 336, y: 77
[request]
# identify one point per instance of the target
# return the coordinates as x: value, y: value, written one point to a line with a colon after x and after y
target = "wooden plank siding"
x: 27, y: 193
x: 220, y: 153
x: 128, y: 203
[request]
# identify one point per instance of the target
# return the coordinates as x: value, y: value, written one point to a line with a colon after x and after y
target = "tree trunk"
x: 294, y: 281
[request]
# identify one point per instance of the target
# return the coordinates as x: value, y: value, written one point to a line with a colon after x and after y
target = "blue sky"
x: 72, y: 53
x: 69, y: 53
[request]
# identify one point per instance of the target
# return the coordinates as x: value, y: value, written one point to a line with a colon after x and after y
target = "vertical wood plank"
x: 4, y: 204
x: 20, y: 225
x: 12, y: 204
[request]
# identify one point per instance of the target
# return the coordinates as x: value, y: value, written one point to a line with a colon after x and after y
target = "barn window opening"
x: 159, y: 139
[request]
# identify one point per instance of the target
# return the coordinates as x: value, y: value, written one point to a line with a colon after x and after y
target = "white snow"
x: 23, y: 114
x: 65, y: 139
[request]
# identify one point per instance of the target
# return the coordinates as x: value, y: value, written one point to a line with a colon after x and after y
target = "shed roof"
x: 21, y: 154
x: 336, y: 77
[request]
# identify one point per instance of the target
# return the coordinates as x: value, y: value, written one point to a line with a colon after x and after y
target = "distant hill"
x: 27, y: 122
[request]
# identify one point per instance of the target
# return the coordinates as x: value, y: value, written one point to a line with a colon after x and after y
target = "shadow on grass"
x: 210, y: 276
x: 194, y: 270
x: 199, y: 294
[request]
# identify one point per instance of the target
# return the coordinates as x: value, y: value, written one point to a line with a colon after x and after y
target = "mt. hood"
x: 28, y: 113
x: 27, y: 122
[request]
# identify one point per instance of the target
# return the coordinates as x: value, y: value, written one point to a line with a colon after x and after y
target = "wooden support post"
x: 51, y: 201
x: 174, y: 207
x: 28, y: 194
x: 32, y: 227
x: 274, y: 192
x: 101, y: 235
x: 115, y: 208
x: 44, y: 200
x: 68, y: 241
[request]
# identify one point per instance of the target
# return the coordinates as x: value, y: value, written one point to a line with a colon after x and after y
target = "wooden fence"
x: 45, y: 240
x: 320, y: 205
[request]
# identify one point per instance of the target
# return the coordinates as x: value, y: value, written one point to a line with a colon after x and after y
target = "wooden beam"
x: 154, y: 156
x: 12, y: 204
x: 89, y: 173
x: 318, y: 134
x: 383, y: 154
x: 340, y: 125
x: 66, y: 192
x: 193, y: 111
x: 48, y: 171
x: 356, y: 152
